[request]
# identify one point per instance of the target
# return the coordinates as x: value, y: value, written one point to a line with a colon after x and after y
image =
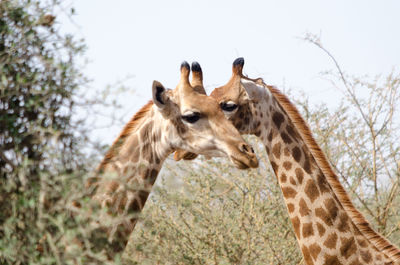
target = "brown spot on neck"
x: 296, y: 226
x: 331, y: 207
x: 287, y: 165
x: 348, y: 247
x: 299, y: 175
x: 314, y: 251
x: 307, y: 255
x: 303, y: 208
x: 296, y: 154
x: 324, y: 216
x: 311, y: 190
x: 331, y: 260
x: 343, y: 225
x: 321, y: 229
x: 307, y: 230
x: 331, y: 240
x: 278, y: 119
x: 276, y: 150
x: 275, y: 167
x: 290, y: 207
x: 366, y: 256
x: 286, y: 138
x: 289, y: 192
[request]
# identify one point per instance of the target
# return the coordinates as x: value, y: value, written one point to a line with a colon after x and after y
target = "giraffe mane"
x: 356, y: 216
x: 126, y: 131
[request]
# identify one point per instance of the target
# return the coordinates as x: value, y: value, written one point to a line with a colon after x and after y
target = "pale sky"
x: 150, y: 39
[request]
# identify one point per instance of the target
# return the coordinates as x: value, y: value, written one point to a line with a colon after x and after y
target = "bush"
x: 216, y: 215
x: 42, y: 167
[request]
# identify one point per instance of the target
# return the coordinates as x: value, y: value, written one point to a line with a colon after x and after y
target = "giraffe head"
x: 237, y: 97
x: 196, y: 122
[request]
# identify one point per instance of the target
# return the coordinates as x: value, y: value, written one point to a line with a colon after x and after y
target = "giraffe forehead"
x: 201, y: 103
x: 230, y: 91
x: 224, y: 94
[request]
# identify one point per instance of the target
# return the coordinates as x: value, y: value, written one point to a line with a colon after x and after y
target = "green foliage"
x: 38, y: 79
x: 360, y: 139
x: 46, y: 214
x: 41, y: 166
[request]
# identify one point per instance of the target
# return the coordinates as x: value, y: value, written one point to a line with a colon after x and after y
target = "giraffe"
x: 328, y: 228
x: 183, y: 118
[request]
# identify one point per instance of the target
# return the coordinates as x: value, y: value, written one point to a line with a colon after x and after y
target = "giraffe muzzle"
x: 246, y: 158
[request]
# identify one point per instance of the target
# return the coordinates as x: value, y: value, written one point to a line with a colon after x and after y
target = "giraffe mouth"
x: 244, y: 157
x: 245, y: 163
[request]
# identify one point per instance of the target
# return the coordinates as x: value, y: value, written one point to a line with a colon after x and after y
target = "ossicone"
x: 237, y: 66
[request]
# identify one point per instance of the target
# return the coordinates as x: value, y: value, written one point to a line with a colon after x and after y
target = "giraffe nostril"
x: 244, y: 148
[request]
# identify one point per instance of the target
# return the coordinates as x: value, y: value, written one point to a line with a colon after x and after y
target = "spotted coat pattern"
x: 129, y: 171
x: 325, y: 232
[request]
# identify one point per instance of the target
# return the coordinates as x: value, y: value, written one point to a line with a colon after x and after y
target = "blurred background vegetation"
x: 200, y: 212
x: 46, y: 152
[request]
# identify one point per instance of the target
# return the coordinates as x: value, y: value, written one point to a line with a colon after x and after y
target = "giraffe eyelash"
x: 192, y: 117
x: 228, y: 106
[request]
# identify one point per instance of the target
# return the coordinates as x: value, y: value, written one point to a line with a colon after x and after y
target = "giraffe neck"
x: 324, y: 229
x: 130, y: 168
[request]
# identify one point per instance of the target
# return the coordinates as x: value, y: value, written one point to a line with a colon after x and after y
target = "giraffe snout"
x: 245, y: 148
x: 249, y: 158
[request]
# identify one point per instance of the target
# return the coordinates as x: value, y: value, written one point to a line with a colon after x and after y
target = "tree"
x: 39, y: 78
x: 361, y: 141
x: 40, y: 141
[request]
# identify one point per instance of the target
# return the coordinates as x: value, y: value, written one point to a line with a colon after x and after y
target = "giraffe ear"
x: 160, y: 97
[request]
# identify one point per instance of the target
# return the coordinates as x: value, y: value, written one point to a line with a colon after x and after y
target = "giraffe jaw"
x: 244, y: 163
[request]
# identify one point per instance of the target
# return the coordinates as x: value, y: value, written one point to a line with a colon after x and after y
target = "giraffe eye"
x: 228, y: 106
x: 192, y: 117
